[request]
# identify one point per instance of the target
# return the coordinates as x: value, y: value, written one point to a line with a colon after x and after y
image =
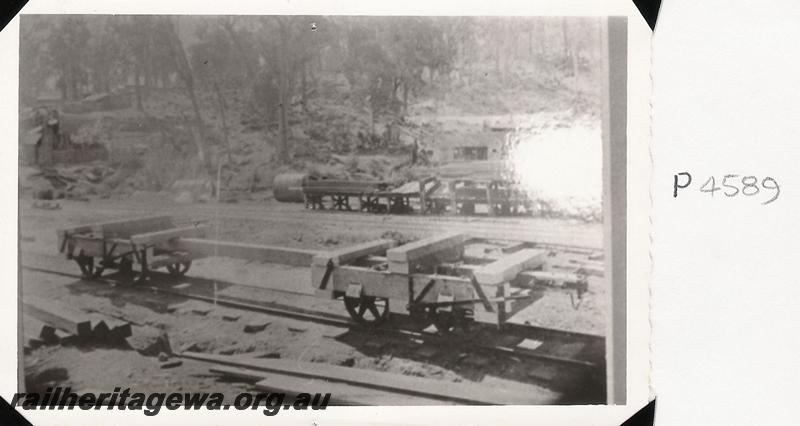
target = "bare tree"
x: 186, y: 75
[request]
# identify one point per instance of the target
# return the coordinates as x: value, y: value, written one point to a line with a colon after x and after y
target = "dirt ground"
x: 204, y: 327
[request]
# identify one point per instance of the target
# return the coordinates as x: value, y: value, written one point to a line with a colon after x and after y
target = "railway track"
x: 485, y: 338
x: 559, y: 233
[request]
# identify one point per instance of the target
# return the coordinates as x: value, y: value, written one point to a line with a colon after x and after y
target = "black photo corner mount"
x: 9, y: 416
x: 649, y: 10
x: 646, y: 416
x: 9, y: 9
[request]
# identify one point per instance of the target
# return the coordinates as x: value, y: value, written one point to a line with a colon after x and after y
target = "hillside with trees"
x: 246, y: 97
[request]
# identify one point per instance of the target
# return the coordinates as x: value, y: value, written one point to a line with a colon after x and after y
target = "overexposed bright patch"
x: 560, y: 164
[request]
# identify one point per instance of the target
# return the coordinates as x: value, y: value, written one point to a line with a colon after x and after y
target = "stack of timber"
x: 351, y: 386
x: 48, y: 322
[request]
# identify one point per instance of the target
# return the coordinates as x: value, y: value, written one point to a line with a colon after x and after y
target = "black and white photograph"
x: 343, y: 210
x: 377, y: 213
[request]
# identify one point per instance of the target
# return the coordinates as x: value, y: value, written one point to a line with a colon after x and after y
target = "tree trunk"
x: 405, y: 97
x: 575, y: 64
x: 185, y: 73
x: 530, y: 44
x: 137, y: 89
x: 73, y: 83
x: 198, y: 136
x: 303, y: 97
x: 251, y: 71
x: 283, y: 89
x: 223, y: 117
x: 497, y: 56
x: 283, y: 124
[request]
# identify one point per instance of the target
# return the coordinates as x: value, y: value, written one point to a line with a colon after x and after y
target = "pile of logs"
x: 48, y: 323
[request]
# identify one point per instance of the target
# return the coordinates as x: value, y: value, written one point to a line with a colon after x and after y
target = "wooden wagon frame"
x: 425, y: 196
x: 442, y: 280
x: 146, y: 241
x: 448, y: 280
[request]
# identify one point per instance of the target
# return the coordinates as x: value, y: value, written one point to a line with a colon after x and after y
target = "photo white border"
x: 638, y: 207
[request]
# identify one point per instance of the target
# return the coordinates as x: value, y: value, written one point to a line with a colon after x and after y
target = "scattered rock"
x: 191, y: 347
x: 255, y: 327
x: 349, y: 362
x: 172, y: 364
x: 227, y: 351
x: 329, y: 241
x: 163, y: 357
x: 149, y: 341
x: 271, y: 355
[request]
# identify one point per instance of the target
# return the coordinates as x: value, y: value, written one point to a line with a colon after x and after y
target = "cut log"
x: 128, y: 227
x: 60, y: 317
x: 156, y: 237
x: 347, y: 254
x: 253, y: 252
x: 411, y: 252
x: 508, y: 267
x: 465, y: 393
x: 119, y: 330
x: 35, y: 329
x: 100, y: 330
x: 36, y: 333
x: 555, y: 279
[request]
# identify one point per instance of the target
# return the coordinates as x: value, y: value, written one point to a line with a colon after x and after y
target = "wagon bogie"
x: 119, y: 245
x: 441, y: 281
x: 367, y: 310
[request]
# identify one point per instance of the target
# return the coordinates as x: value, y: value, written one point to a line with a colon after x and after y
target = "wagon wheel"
x: 420, y: 318
x: 367, y: 310
x: 86, y: 265
x: 467, y: 208
x: 125, y: 266
x: 179, y: 269
x: 457, y: 322
x: 98, y: 270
